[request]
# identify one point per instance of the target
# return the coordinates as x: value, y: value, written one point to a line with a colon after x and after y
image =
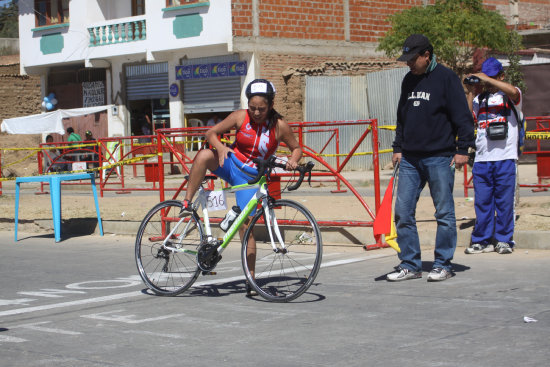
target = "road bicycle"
x: 172, y: 250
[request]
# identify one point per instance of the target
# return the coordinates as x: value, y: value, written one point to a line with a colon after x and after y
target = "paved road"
x: 80, y: 303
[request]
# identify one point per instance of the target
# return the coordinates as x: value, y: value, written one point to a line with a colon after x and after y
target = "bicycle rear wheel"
x: 286, y: 272
x: 166, y: 249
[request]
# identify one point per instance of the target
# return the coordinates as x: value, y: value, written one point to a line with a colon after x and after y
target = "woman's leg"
x: 251, y: 249
x: 205, y: 159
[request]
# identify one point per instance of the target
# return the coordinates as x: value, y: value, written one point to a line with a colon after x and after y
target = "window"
x: 138, y: 7
x: 170, y: 3
x: 50, y: 12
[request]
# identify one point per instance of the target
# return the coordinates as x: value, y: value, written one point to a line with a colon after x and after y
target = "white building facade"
x: 170, y: 59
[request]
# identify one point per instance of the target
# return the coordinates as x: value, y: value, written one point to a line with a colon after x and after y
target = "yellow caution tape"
x: 97, y: 169
x: 537, y: 135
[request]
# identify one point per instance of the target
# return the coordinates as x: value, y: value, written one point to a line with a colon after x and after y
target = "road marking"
x: 34, y: 326
x: 144, y: 332
x: 18, y: 301
x: 50, y: 293
x: 72, y: 303
x: 11, y: 339
x: 127, y: 319
x: 132, y: 294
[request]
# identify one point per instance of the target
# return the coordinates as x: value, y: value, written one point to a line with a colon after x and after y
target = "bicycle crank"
x: 208, y: 257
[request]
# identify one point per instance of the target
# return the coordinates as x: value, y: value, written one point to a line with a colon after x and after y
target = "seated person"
x: 259, y: 130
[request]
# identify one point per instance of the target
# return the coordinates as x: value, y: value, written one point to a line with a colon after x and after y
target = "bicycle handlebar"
x: 270, y: 163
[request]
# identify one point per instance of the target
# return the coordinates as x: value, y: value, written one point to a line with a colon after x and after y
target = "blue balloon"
x: 49, y: 106
x: 46, y: 99
x: 51, y: 95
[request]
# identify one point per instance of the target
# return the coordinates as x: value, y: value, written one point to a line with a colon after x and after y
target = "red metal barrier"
x: 167, y: 137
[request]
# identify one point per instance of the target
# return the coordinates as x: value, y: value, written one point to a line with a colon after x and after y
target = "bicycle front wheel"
x: 281, y: 267
x: 166, y: 249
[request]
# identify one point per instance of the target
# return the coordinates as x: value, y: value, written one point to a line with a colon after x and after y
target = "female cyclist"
x: 259, y: 130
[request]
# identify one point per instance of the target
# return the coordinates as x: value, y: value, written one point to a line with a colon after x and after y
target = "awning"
x: 44, y: 123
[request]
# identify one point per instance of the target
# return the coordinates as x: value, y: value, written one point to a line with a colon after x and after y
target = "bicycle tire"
x: 170, y: 269
x: 284, y: 275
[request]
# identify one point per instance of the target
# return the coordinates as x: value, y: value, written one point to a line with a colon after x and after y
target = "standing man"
x: 494, y: 171
x: 434, y: 131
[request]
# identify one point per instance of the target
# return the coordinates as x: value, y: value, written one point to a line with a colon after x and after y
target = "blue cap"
x: 491, y: 67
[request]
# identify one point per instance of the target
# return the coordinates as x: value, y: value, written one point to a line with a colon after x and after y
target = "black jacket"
x: 431, y: 114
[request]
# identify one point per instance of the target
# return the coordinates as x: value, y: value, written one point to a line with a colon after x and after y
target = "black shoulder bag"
x: 497, y: 130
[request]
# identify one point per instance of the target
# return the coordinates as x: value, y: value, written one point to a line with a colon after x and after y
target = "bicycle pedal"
x: 209, y: 273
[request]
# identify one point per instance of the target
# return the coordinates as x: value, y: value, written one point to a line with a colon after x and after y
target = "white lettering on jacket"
x: 419, y: 95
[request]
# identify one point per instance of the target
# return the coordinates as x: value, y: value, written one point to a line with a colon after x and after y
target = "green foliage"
x: 9, y: 21
x: 456, y: 28
x: 513, y: 73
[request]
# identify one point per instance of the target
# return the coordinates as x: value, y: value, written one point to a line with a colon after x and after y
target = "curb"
x: 524, y: 239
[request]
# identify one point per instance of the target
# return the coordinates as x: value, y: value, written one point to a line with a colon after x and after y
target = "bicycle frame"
x: 261, y: 194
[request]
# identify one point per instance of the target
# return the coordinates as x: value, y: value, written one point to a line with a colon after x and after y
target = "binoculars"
x: 471, y: 80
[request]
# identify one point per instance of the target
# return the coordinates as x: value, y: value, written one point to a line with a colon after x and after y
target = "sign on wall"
x: 93, y: 94
x: 214, y: 70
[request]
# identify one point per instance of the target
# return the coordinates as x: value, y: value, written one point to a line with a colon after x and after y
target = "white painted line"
x: 139, y: 293
x: 18, y: 301
x: 127, y: 319
x: 71, y: 303
x: 143, y: 332
x: 35, y: 326
x: 11, y: 339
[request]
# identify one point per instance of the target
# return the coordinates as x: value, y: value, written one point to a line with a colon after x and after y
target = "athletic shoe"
x: 250, y: 292
x: 439, y: 274
x: 403, y: 274
x: 478, y: 248
x: 186, y: 208
x: 504, y: 248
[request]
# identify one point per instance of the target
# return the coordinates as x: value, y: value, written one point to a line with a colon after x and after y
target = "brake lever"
x: 303, y: 171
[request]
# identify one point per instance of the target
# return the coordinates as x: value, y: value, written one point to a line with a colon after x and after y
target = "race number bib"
x: 216, y: 201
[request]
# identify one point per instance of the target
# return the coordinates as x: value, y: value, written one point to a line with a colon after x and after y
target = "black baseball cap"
x: 414, y: 44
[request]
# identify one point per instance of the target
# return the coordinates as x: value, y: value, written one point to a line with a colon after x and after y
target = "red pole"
x: 376, y: 164
x: 160, y: 165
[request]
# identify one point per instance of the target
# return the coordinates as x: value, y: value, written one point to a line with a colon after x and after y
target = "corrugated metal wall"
x: 383, y: 90
x: 337, y: 98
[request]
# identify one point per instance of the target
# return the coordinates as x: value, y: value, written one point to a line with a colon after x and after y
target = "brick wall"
x: 317, y: 19
x: 368, y: 18
x: 532, y: 13
x: 20, y: 94
x: 241, y: 14
x: 324, y: 19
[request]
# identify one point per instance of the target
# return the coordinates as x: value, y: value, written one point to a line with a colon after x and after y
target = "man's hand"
x: 459, y: 160
x: 396, y: 158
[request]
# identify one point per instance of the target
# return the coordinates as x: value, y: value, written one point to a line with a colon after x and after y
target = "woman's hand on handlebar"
x: 291, y: 165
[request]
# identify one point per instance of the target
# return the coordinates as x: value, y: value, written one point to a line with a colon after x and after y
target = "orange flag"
x: 383, y: 223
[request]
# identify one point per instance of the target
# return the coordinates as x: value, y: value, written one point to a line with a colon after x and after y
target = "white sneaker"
x: 504, y: 248
x: 478, y: 248
x: 403, y: 274
x: 439, y: 274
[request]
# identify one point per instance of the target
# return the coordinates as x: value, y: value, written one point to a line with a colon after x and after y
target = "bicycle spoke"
x: 285, y: 274
x: 168, y: 265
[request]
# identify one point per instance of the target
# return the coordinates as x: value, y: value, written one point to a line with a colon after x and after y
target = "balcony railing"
x: 121, y: 32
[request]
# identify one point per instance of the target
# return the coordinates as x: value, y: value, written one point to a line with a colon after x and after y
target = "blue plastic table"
x: 55, y: 197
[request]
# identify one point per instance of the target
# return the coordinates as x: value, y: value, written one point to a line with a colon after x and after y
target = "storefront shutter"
x: 147, y: 81
x: 220, y: 94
